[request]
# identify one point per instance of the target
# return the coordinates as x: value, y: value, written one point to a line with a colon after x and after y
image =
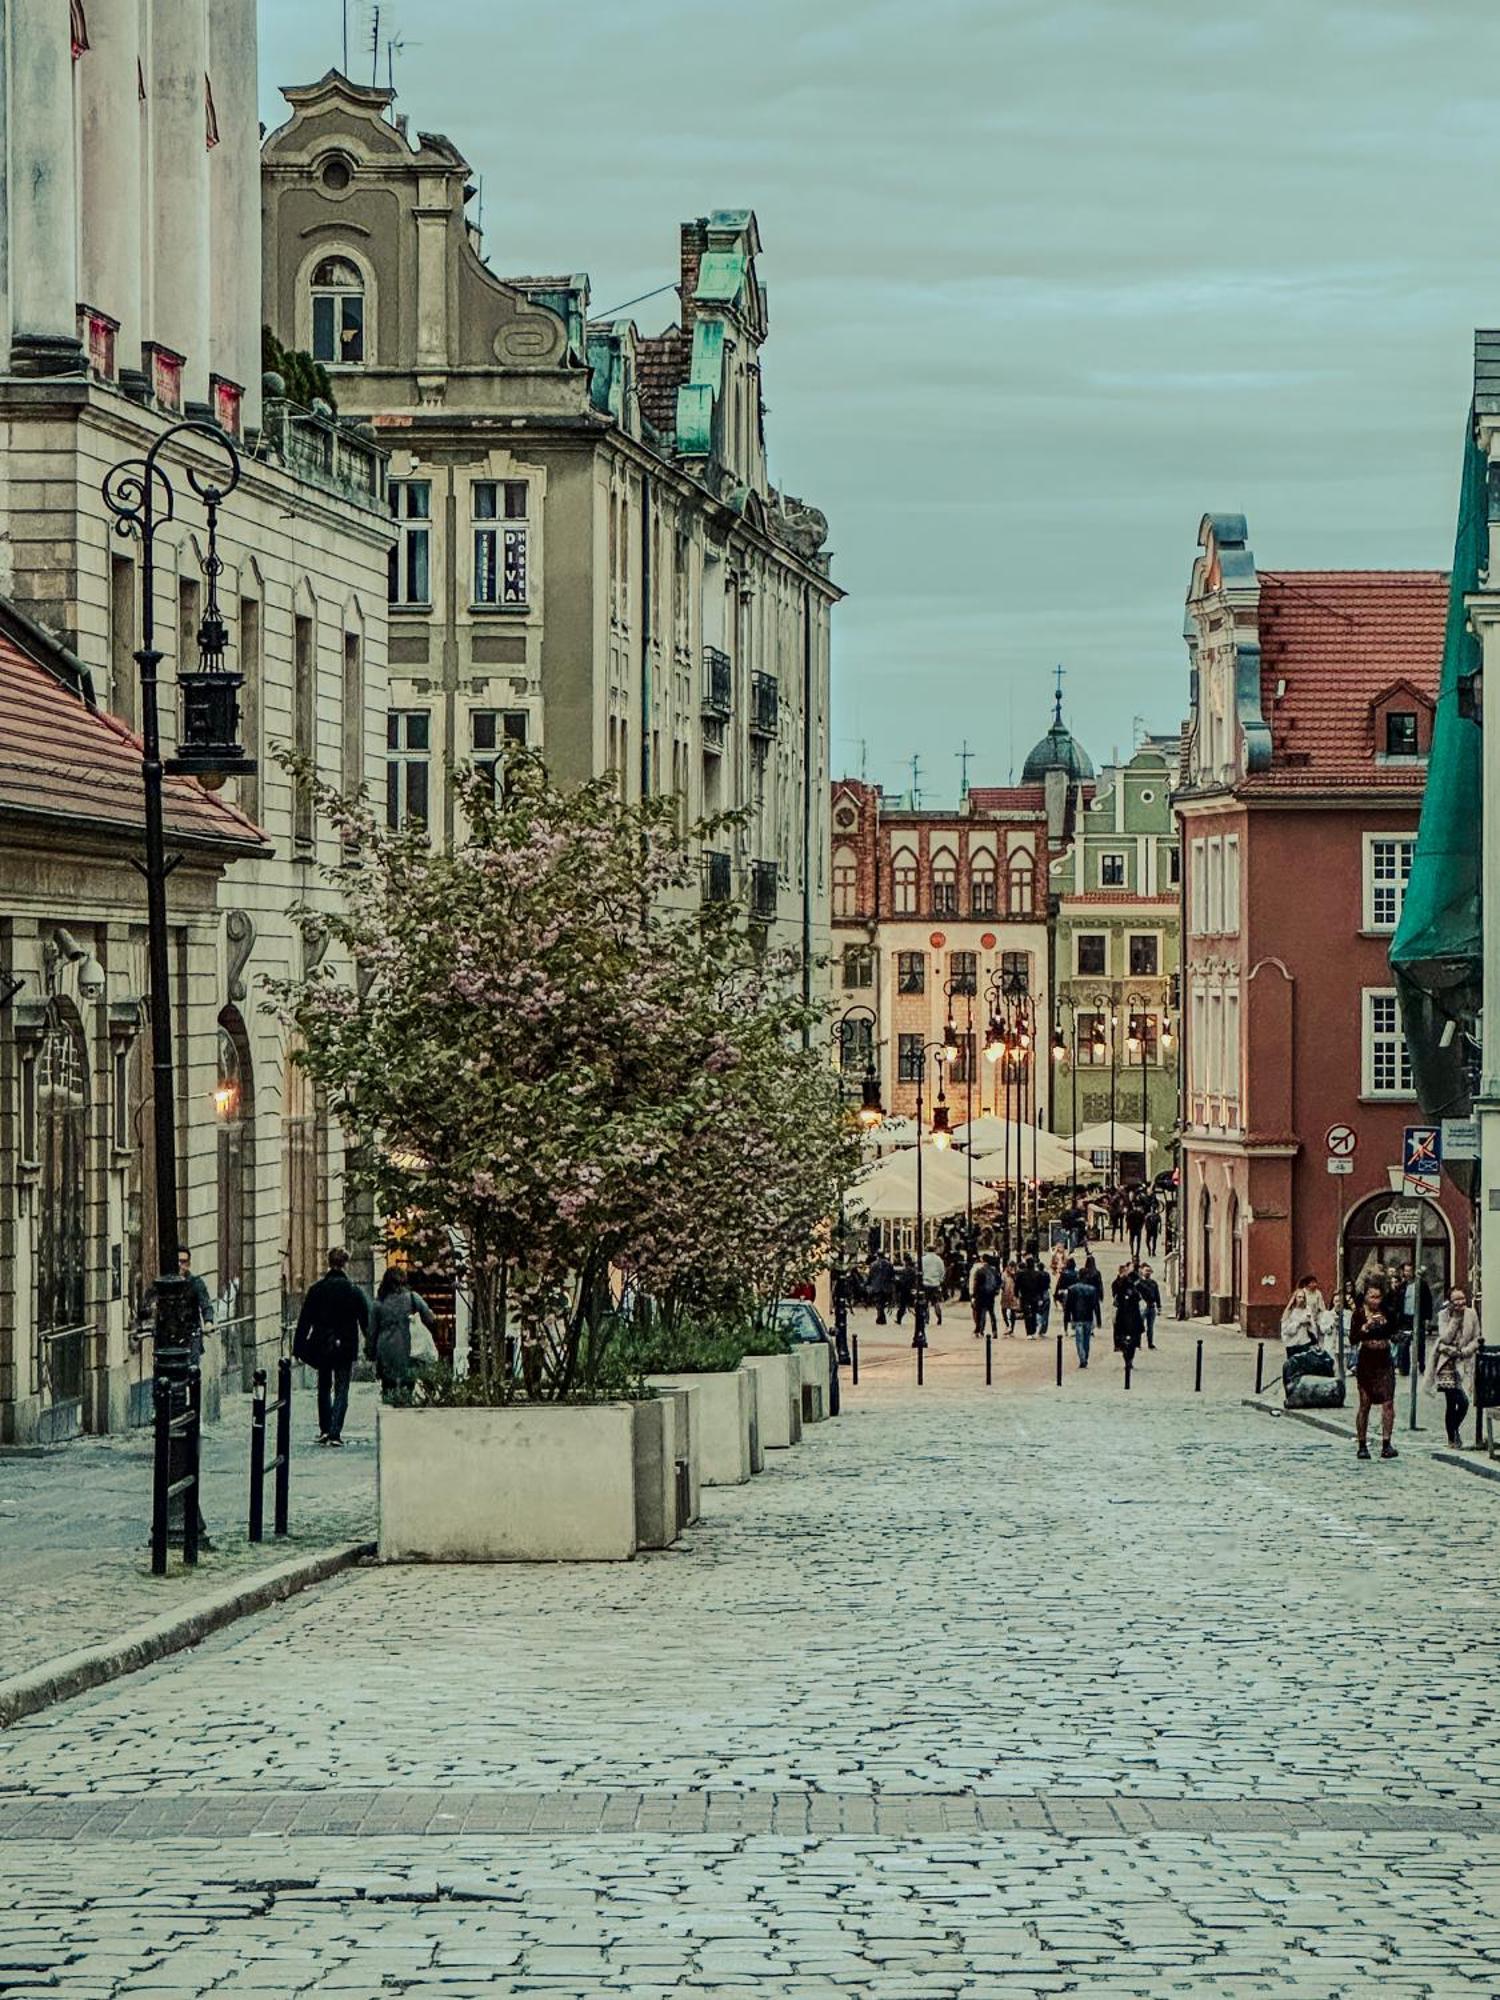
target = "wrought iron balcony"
x: 765, y: 705
x: 718, y: 878
x: 718, y: 684
x: 764, y: 891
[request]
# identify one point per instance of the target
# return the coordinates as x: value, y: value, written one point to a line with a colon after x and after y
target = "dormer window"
x: 1401, y: 733
x: 338, y: 312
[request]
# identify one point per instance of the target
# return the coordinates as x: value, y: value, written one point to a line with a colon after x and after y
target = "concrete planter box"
x: 722, y: 1423
x: 779, y: 1380
x: 660, y: 1444
x: 531, y: 1483
x: 812, y: 1359
x: 687, y: 1393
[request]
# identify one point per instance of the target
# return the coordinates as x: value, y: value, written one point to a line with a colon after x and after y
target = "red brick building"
x: 1304, y: 764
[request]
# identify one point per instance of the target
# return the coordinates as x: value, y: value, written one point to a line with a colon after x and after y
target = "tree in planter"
x: 522, y: 1039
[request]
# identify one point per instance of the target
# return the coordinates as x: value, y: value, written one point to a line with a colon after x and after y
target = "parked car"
x: 801, y: 1319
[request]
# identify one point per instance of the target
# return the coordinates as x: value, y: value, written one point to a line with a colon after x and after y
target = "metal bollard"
x: 192, y: 1518
x: 921, y: 1351
x: 1260, y: 1366
x: 989, y: 1361
x: 258, y: 1457
x: 1129, y: 1364
x: 283, y: 1440
x: 854, y: 1360
x: 1198, y: 1371
x: 1059, y: 1360
x: 161, y: 1484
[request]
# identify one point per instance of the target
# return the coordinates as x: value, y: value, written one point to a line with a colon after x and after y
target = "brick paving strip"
x: 73, y: 1673
x: 376, y: 1815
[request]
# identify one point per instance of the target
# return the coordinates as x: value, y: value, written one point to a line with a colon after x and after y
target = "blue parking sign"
x: 1422, y: 1159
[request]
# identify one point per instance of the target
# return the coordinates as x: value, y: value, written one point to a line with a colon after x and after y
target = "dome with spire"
x: 1059, y: 750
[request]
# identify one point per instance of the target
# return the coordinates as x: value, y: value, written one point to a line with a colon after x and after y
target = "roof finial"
x: 1057, y: 699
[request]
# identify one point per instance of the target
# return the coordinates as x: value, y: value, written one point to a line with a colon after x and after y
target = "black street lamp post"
x: 1062, y: 1053
x: 870, y: 1114
x: 965, y: 988
x: 141, y: 497
x: 939, y: 1051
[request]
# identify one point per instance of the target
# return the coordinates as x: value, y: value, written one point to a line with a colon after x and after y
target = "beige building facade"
x: 590, y: 558
x: 129, y: 329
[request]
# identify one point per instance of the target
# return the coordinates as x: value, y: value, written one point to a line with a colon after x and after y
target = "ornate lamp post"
x: 1065, y: 1050
x: 871, y: 1112
x: 1138, y: 1043
x: 141, y: 497
x: 965, y: 988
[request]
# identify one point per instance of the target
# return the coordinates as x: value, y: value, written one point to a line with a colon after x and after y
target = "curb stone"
x: 74, y: 1673
x: 1480, y: 1467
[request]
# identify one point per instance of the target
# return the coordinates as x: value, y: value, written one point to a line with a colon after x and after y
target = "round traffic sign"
x: 1340, y: 1141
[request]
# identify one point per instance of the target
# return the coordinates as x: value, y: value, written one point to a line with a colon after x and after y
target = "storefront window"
x: 1381, y: 1235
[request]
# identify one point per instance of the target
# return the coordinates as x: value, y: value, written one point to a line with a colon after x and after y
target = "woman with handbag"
x: 1454, y: 1353
x: 400, y: 1339
x: 1373, y: 1331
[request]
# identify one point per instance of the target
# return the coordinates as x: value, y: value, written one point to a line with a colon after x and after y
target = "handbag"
x: 423, y: 1347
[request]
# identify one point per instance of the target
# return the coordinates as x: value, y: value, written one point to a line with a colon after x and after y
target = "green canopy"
x: 1437, y: 952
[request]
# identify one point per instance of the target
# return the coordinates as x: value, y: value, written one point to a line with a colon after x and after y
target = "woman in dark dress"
x: 1373, y: 1330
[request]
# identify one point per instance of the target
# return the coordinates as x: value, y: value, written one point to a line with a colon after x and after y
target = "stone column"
x: 43, y: 247
x: 234, y: 203
x: 179, y: 192
x: 110, y: 144
x: 432, y: 214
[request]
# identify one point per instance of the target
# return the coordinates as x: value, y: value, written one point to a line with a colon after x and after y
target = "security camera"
x: 91, y: 978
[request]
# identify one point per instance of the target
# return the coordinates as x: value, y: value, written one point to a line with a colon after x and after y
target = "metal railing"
x: 718, y: 877
x: 177, y: 1412
x: 765, y: 705
x: 764, y: 891
x: 718, y: 683
x: 281, y: 1464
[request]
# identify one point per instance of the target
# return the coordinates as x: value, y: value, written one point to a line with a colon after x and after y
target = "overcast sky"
x: 1049, y: 279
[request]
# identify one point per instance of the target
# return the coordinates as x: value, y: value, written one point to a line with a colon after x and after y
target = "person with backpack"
x: 984, y: 1288
x: 1081, y: 1309
x: 335, y: 1316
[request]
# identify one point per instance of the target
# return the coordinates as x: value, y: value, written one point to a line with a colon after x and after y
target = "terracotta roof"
x: 1007, y: 798
x: 662, y: 364
x: 1338, y: 639
x: 63, y: 761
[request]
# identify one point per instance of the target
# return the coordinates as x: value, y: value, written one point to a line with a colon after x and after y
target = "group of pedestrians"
x: 336, y: 1316
x: 1136, y: 1217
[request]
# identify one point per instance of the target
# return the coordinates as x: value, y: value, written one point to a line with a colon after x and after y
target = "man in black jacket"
x: 335, y: 1314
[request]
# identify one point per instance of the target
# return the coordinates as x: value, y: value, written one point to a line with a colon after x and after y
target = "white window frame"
x: 402, y: 760
x: 338, y: 297
x: 1214, y: 858
x: 906, y: 883
x: 413, y: 535
x: 500, y: 544
x: 1394, y: 885
x: 1231, y: 884
x: 1198, y: 1046
x: 845, y: 881
x: 1375, y: 1037
x: 1232, y: 1068
x: 1114, y: 854
x: 1197, y: 887
x: 1078, y: 971
x: 1156, y: 939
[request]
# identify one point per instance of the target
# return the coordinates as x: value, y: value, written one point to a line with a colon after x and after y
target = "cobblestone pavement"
x: 1012, y: 1692
x: 74, y: 1519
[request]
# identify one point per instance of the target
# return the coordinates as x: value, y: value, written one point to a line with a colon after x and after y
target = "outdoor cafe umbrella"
x: 888, y: 1192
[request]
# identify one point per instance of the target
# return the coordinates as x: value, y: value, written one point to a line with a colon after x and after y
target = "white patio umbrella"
x: 891, y: 1134
x: 1054, y: 1157
x: 1127, y: 1139
x: 888, y: 1191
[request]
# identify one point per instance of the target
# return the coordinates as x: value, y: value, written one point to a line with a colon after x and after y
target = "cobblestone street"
x: 1019, y: 1691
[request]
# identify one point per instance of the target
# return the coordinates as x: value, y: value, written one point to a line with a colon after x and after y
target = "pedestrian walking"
x: 1302, y: 1320
x: 1150, y: 1293
x: 1092, y: 1275
x: 1413, y: 1303
x: 1135, y: 1224
x: 1116, y: 1201
x: 1081, y: 1309
x: 882, y: 1285
x: 906, y: 1287
x: 933, y: 1273
x: 1032, y: 1286
x: 399, y: 1340
x: 1153, y: 1225
x: 1455, y: 1351
x: 1129, y: 1321
x: 335, y: 1317
x: 984, y: 1287
x: 1010, y: 1303
x: 1373, y: 1330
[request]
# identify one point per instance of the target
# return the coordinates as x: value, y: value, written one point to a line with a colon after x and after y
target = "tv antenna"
x: 965, y: 757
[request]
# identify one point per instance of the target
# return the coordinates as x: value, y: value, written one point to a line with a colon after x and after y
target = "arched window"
x: 1021, y: 884
x: 944, y: 883
x: 981, y: 883
x: 62, y: 1111
x: 845, y: 881
x: 338, y: 311
x: 904, y: 884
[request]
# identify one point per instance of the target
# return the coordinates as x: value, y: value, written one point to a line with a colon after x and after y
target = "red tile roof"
x: 662, y: 365
x: 65, y: 762
x: 1007, y: 798
x: 1338, y: 639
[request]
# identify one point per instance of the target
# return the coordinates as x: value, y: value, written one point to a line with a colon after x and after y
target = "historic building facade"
x: 1307, y: 743
x: 1118, y: 936
x: 131, y: 216
x: 932, y: 911
x: 590, y: 557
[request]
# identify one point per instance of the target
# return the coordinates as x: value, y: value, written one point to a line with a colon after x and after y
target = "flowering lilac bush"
x: 560, y: 1070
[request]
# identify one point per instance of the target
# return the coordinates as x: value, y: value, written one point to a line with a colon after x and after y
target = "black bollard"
x: 1059, y: 1360
x: 1198, y: 1371
x: 1129, y: 1363
x: 283, y: 1440
x: 258, y: 1457
x: 854, y: 1361
x: 1260, y: 1365
x: 989, y: 1361
x: 921, y: 1350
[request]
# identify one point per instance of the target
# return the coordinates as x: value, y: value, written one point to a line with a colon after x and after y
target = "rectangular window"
x: 944, y: 892
x: 1145, y: 951
x: 338, y: 326
x: 1197, y: 888
x: 1015, y: 971
x: 904, y: 898
x: 247, y: 789
x: 122, y: 667
x: 305, y: 726
x: 1092, y: 954
x: 1197, y: 1048
x: 911, y: 972
x: 1400, y: 733
x: 500, y: 529
x: 1174, y: 866
x: 119, y: 1108
x: 1387, y: 1058
x: 353, y: 715
x: 1111, y: 871
x: 1215, y: 858
x: 1143, y: 1029
x: 1231, y: 884
x: 1231, y: 1057
x: 1387, y: 872
x: 859, y: 967
x: 963, y: 971
x: 982, y: 891
x: 856, y: 1047
x: 961, y: 1068
x: 491, y: 732
x: 408, y: 738
x: 1093, y: 1042
x: 908, y: 1058
x: 410, y: 580
x: 845, y: 882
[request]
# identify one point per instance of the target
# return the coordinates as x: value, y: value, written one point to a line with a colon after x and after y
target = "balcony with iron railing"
x: 329, y: 451
x: 718, y: 877
x: 765, y: 705
x: 764, y: 891
x: 718, y: 684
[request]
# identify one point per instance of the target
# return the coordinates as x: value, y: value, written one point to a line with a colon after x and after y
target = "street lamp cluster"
x: 1009, y: 1044
x: 1140, y: 1011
